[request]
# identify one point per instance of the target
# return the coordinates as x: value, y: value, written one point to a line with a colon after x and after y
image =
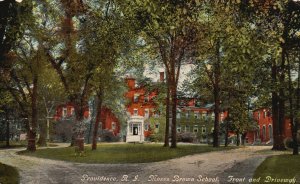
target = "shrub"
x: 186, y: 137
x: 108, y: 136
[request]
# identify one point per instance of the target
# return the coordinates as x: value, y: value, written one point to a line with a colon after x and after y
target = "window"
x: 265, y: 113
x: 146, y: 113
x: 195, y: 130
x: 212, y: 115
x: 156, y: 127
x: 196, y: 114
x: 146, y: 98
x: 72, y: 111
x: 178, y: 115
x: 135, y: 112
x: 113, y: 125
x: 187, y: 114
x: 178, y: 129
x: 270, y: 132
x: 64, y: 112
x: 136, y: 98
x: 203, y: 129
x: 258, y: 115
x: 146, y: 127
x: 203, y: 115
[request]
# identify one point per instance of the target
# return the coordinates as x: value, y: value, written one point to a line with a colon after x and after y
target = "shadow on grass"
x: 8, y: 174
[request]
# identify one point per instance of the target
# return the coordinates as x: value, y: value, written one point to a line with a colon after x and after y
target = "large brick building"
x: 192, y: 117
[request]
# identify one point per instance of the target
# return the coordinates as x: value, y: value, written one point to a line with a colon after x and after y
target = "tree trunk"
x: 32, y: 132
x: 278, y: 143
x: 173, y: 114
x: 217, y: 73
x: 166, y: 144
x: 79, y: 128
x: 227, y: 129
x: 238, y: 138
x: 7, y: 128
x: 42, y: 142
x: 295, y: 122
x: 244, y: 138
x: 97, y: 121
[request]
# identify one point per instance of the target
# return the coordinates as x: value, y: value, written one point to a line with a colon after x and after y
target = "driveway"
x: 213, y: 167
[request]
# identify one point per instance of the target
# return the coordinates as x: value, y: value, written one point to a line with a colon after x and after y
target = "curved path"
x: 215, y: 167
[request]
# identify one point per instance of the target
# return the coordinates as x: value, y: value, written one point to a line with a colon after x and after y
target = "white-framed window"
x: 64, y: 112
x: 265, y: 113
x: 113, y: 125
x: 187, y: 114
x: 196, y: 114
x: 270, y: 131
x: 179, y: 129
x: 178, y: 115
x: 136, y: 98
x: 258, y: 115
x: 146, y: 113
x: 135, y: 112
x: 72, y: 111
x: 203, y: 129
x: 203, y: 115
x: 212, y: 115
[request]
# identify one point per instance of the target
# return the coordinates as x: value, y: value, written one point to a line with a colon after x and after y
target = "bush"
x: 288, y: 142
x: 108, y: 136
x: 186, y: 137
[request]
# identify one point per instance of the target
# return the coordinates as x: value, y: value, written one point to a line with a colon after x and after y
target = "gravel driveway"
x: 213, y: 167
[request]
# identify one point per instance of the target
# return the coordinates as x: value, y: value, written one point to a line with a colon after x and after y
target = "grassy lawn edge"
x: 279, y: 169
x: 122, y: 153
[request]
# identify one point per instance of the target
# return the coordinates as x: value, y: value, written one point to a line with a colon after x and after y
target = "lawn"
x: 122, y: 153
x: 13, y: 144
x: 8, y: 174
x: 279, y: 169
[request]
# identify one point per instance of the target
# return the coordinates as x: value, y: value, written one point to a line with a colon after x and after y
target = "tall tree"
x: 170, y: 29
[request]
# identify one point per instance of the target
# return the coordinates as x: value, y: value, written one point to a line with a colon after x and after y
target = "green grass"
x: 280, y: 167
x: 13, y: 144
x: 122, y: 153
x: 8, y: 174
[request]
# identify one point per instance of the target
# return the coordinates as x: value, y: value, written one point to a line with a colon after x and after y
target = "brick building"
x: 264, y: 120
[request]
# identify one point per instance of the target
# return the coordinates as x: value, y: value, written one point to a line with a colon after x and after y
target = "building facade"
x: 264, y: 132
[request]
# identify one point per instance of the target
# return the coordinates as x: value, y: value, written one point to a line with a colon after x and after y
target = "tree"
x: 169, y: 28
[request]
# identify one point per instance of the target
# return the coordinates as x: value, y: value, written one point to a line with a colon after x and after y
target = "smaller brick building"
x: 264, y: 120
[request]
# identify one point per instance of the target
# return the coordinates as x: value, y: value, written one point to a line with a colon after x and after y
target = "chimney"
x: 130, y: 82
x: 161, y: 76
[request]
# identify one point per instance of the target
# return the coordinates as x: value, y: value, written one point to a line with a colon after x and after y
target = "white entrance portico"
x: 135, y: 129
